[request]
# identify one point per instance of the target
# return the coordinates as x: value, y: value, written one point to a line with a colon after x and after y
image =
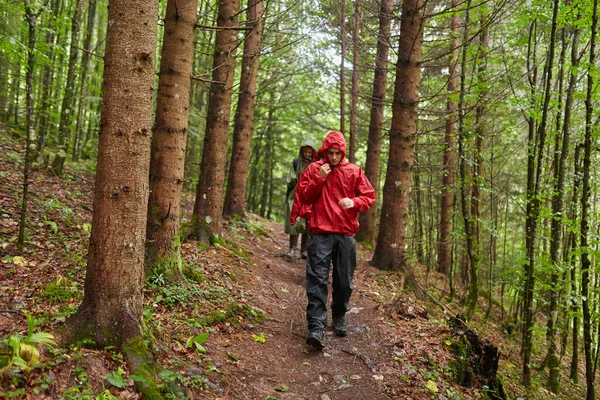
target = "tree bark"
x: 368, y: 219
x: 85, y: 61
x: 445, y: 242
x: 68, y: 101
x: 391, y: 242
x: 31, y: 18
x: 534, y: 198
x: 342, y: 67
x: 208, y: 207
x: 235, y: 199
x: 167, y: 158
x: 586, y: 263
x: 111, y: 311
x: 355, y: 88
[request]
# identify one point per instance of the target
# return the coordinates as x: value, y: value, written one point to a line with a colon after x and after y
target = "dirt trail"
x: 372, y: 362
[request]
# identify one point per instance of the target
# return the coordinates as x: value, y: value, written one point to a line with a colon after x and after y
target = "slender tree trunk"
x: 111, y: 311
x: 46, y: 98
x: 68, y: 102
x: 235, y: 199
x: 368, y: 219
x: 535, y: 200
x: 342, y: 67
x: 557, y: 222
x: 208, y: 208
x: 30, y: 17
x: 471, y: 255
x: 586, y: 263
x: 571, y: 261
x: 419, y: 230
x: 355, y: 88
x: 169, y: 138
x: 445, y: 242
x: 85, y: 61
x: 389, y: 253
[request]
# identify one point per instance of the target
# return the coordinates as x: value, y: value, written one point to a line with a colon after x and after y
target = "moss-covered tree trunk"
x: 167, y: 159
x: 391, y: 241
x: 111, y: 311
x: 235, y: 199
x: 208, y: 207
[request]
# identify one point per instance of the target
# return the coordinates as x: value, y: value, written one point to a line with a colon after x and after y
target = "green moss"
x: 144, y: 368
x: 58, y: 293
x: 460, y: 366
x: 169, y: 267
x: 193, y: 274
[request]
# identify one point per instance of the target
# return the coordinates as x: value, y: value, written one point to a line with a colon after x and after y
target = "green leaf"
x: 432, y: 386
x: 140, y: 379
x: 259, y: 338
x: 115, y: 379
x: 232, y: 357
x: 282, y: 389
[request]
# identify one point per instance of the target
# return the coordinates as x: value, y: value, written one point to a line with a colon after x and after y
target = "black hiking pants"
x: 325, y: 250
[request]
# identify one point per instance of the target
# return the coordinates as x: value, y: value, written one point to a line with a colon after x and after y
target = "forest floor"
x: 235, y: 329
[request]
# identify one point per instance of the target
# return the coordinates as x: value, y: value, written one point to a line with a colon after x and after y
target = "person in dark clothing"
x: 306, y: 152
x: 337, y: 191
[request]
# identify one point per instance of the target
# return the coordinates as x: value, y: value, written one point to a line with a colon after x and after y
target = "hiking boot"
x: 291, y: 255
x: 339, y: 326
x: 303, y: 254
x: 315, y: 339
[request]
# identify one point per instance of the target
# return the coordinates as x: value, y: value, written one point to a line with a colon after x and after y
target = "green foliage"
x: 20, y: 352
x: 62, y: 290
x: 116, y: 378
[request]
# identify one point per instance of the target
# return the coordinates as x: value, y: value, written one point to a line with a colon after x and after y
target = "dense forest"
x: 475, y: 121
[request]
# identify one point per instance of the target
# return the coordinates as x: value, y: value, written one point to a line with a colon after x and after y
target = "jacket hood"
x: 306, y: 143
x: 333, y: 140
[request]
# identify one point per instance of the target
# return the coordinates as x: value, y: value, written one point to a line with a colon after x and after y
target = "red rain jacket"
x: 324, y: 194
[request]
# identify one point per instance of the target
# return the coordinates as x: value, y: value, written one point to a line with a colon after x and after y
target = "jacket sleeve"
x: 295, y: 209
x: 363, y: 192
x: 310, y: 185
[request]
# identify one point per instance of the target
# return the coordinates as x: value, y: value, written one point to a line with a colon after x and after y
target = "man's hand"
x: 325, y: 170
x: 346, y: 203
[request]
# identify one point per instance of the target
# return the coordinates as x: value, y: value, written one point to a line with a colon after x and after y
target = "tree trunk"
x: 471, y: 255
x: 534, y: 202
x: 355, y: 88
x: 167, y: 159
x: 557, y: 221
x: 391, y: 241
x: 85, y: 61
x: 30, y: 17
x: 445, y: 242
x: 342, y: 72
x: 368, y: 219
x: 111, y: 311
x: 208, y: 208
x: 571, y: 261
x: 68, y: 101
x: 586, y: 263
x: 235, y: 199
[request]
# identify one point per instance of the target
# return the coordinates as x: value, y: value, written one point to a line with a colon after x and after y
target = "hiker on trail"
x: 298, y: 211
x: 337, y: 191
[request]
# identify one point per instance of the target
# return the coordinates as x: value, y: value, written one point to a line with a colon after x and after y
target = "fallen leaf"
x: 432, y: 386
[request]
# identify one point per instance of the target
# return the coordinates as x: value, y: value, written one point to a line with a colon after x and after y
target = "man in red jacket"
x: 337, y: 191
